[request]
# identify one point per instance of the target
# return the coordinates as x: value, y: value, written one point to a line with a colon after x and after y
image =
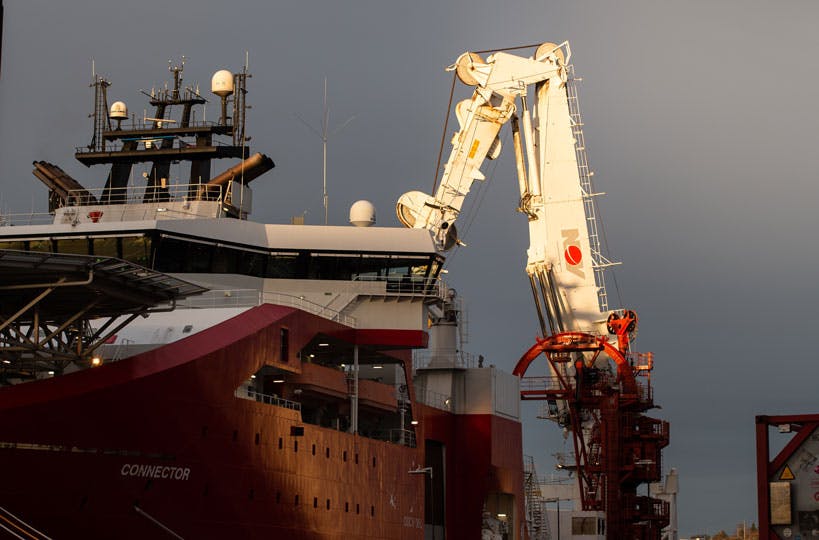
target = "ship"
x: 172, y: 369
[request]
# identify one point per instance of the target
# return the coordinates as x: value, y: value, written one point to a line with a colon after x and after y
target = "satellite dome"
x: 222, y: 83
x: 118, y: 110
x: 362, y: 214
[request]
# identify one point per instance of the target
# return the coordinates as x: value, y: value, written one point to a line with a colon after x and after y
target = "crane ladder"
x: 599, y: 262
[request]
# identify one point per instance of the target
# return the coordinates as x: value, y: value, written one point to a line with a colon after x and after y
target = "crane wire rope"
x: 449, y: 108
x: 602, y: 229
x: 532, y: 46
x: 482, y: 192
x: 443, y: 135
x: 483, y: 189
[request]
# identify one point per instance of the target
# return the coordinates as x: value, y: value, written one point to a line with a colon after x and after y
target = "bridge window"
x: 283, y: 265
x: 137, y: 250
x: 76, y: 246
x: 182, y: 255
x: 40, y: 245
x: 225, y: 261
x: 105, y: 247
x: 19, y: 245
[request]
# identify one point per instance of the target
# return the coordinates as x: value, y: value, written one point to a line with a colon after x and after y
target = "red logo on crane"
x: 573, y: 255
x: 572, y: 252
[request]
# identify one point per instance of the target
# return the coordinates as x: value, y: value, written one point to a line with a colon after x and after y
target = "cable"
x: 483, y: 189
x: 510, y: 48
x: 443, y: 135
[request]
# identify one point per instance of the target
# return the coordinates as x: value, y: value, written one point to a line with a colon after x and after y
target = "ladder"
x: 536, y: 521
x: 599, y: 262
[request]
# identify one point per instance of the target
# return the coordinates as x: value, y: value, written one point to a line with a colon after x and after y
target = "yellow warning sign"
x: 787, y: 474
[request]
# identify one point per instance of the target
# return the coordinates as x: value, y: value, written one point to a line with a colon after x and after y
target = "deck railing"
x: 248, y: 393
x: 423, y: 359
x: 138, y: 194
x: 434, y: 399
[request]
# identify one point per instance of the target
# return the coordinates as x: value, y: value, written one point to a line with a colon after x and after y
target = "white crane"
x: 564, y: 267
x: 593, y: 386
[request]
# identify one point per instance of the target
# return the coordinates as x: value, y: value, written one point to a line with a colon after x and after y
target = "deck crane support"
x: 592, y: 387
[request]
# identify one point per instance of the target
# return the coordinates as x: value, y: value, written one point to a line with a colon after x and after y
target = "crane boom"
x: 559, y: 258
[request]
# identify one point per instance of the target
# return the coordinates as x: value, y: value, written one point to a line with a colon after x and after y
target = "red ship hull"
x: 158, y: 445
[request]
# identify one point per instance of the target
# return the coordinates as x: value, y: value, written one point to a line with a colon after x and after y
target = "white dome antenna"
x: 222, y: 85
x: 362, y: 214
x: 118, y: 112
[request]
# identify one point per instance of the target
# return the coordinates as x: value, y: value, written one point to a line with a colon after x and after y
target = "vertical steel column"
x: 763, y: 494
x: 354, y: 411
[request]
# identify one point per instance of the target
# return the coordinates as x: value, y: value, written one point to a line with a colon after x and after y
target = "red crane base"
x: 617, y: 447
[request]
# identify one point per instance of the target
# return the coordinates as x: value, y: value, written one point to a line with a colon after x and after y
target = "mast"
x: 1, y: 38
x: 172, y: 135
x: 169, y: 136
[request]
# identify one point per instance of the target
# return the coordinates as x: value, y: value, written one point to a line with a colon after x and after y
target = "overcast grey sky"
x: 700, y: 122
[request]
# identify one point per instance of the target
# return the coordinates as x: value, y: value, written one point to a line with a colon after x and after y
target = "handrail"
x: 310, y: 307
x: 267, y: 399
x: 434, y: 399
x: 134, y: 194
x: 21, y: 526
x: 254, y: 297
x: 26, y: 218
x: 422, y: 359
x: 412, y: 285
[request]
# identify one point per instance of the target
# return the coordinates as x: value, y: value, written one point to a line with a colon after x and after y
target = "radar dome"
x: 118, y: 110
x: 222, y: 83
x: 362, y: 214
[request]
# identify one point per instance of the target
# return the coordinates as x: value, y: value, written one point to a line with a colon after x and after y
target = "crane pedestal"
x: 617, y: 447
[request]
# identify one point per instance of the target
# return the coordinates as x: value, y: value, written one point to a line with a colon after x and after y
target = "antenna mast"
x: 324, y: 152
x: 325, y: 122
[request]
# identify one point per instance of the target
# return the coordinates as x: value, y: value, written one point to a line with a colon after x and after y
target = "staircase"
x: 536, y: 521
